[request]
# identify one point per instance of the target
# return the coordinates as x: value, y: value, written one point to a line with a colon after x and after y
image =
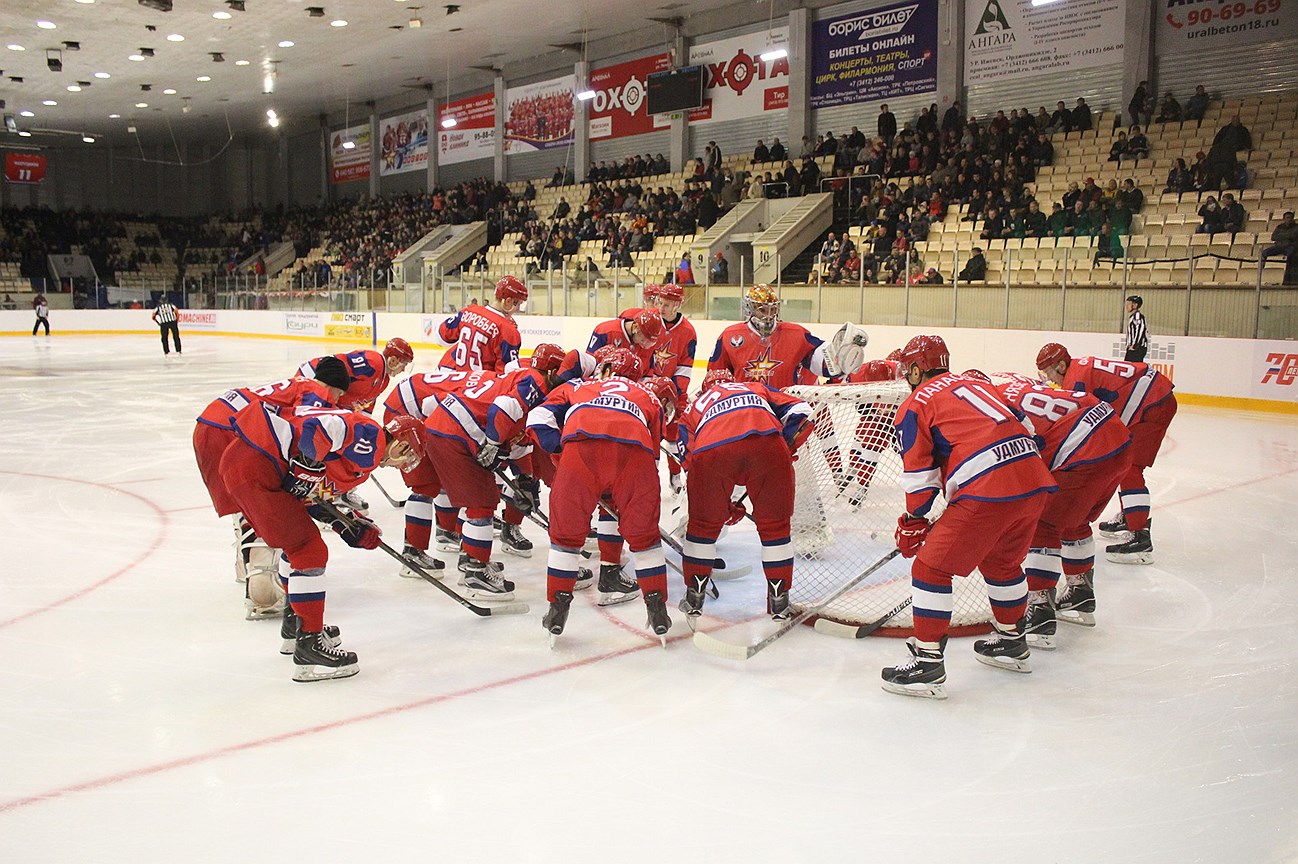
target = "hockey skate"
x: 513, y: 541
x: 483, y: 581
x: 447, y: 541
x: 695, y: 594
x: 430, y: 565
x: 1115, y: 528
x: 315, y: 658
x: 585, y: 579
x: 289, y: 626
x: 923, y: 675
x: 615, y: 588
x: 497, y: 525
x: 1077, y: 602
x: 1039, y: 620
x: 658, y: 622
x: 777, y: 601
x: 556, y: 618
x: 1138, y: 550
x: 354, y: 503
x: 1005, y: 649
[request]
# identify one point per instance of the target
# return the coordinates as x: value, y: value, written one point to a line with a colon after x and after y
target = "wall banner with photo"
x: 539, y: 116
x: 403, y: 143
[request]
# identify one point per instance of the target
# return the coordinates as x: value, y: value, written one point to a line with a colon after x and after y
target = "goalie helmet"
x: 761, y: 307
x: 665, y: 390
x: 617, y: 361
x: 713, y: 377
x: 398, y: 349
x: 547, y: 357
x: 977, y: 375
x: 511, y: 288
x: 410, y: 431
x: 926, y: 352
x: 1050, y: 354
x: 876, y: 370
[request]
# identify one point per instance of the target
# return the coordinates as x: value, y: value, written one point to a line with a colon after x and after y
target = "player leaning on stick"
x: 741, y: 434
x: 957, y: 435
x: 1144, y: 400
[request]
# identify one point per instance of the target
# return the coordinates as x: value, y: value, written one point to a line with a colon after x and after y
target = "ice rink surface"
x: 144, y: 720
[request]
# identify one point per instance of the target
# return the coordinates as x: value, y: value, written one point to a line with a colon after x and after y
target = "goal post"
x: 847, y: 498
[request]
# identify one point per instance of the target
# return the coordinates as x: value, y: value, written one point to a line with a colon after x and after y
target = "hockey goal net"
x: 847, y: 500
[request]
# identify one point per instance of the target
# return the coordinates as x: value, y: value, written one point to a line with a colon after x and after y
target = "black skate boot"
x: 1005, y: 649
x: 1077, y: 602
x: 355, y: 503
x: 497, y: 525
x: 777, y: 601
x: 659, y: 622
x: 1115, y: 528
x: 557, y: 617
x: 1039, y: 619
x: 513, y: 541
x: 483, y: 581
x: 447, y: 541
x: 585, y: 578
x: 614, y: 587
x: 695, y: 594
x: 289, y: 626
x: 315, y: 659
x: 1138, y: 550
x: 420, y: 557
x: 923, y: 675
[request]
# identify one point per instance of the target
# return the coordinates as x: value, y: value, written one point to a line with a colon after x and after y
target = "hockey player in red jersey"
x: 741, y: 434
x: 1087, y: 448
x: 1144, y: 400
x: 674, y: 357
x: 640, y: 332
x: 485, y: 337
x: 959, y: 438
x: 278, y: 462
x: 609, y: 430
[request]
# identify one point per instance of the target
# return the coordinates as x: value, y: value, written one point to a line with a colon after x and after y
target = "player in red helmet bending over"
x: 485, y: 337
x: 1144, y: 400
x: 608, y: 430
x: 674, y: 358
x: 741, y: 434
x: 958, y: 438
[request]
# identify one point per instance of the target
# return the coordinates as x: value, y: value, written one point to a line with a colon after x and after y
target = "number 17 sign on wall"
x: 24, y: 168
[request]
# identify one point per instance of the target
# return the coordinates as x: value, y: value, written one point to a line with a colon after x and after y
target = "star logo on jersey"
x: 663, y: 358
x: 761, y: 368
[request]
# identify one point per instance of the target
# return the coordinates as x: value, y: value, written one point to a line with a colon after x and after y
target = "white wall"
x: 1228, y: 369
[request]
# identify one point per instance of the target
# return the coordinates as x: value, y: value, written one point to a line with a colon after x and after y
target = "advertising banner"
x: 1015, y: 38
x: 619, y: 108
x: 737, y: 82
x: 197, y: 319
x: 1275, y: 371
x: 1182, y: 26
x: 24, y: 168
x: 348, y: 164
x: 539, y: 116
x: 875, y: 55
x: 349, y: 325
x: 474, y: 134
x: 403, y: 142
x: 303, y: 324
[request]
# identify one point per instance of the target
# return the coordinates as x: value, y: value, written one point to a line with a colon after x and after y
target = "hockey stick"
x: 394, y: 502
x: 714, y: 646
x: 544, y: 522
x: 484, y: 611
x: 851, y: 631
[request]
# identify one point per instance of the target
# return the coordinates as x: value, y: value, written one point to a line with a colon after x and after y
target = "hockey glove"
x: 303, y: 477
x: 528, y: 496
x: 489, y: 455
x: 737, y: 513
x: 361, y: 533
x: 911, y: 531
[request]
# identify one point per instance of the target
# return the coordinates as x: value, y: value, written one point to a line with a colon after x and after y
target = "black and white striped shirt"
x: 164, y: 313
x: 1137, y: 332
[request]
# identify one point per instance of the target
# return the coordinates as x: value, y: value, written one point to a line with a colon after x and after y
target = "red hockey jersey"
x: 279, y: 395
x: 959, y: 438
x: 730, y: 411
x: 674, y: 357
x: 349, y: 443
x: 1131, y: 388
x: 774, y: 361
x: 481, y: 338
x: 613, y: 332
x: 489, y: 407
x: 418, y: 395
x: 1072, y: 428
x: 369, y: 373
x: 615, y: 409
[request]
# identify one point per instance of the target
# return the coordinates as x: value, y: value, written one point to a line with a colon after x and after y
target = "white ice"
x: 144, y: 720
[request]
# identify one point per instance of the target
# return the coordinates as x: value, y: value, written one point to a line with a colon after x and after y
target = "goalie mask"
x: 761, y: 306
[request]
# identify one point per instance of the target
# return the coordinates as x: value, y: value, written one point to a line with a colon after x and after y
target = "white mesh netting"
x: 847, y: 500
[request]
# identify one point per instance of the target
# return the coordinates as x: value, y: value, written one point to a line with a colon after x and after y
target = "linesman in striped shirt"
x: 167, y: 319
x: 1137, y: 332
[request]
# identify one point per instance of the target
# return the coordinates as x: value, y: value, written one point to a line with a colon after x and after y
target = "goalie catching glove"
x: 303, y: 476
x: 911, y: 532
x: 356, y: 531
x: 846, y: 350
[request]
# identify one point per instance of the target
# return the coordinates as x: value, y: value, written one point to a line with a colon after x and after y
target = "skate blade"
x: 923, y: 691
x: 447, y: 546
x: 1009, y: 664
x: 306, y: 674
x: 519, y: 553
x: 1046, y: 642
x: 585, y: 581
x: 263, y: 613
x: 692, y: 621
x: 554, y: 637
x: 1130, y: 557
x: 614, y: 598
x: 1121, y: 536
x: 407, y: 573
x: 287, y: 646
x: 1081, y: 619
x: 488, y: 596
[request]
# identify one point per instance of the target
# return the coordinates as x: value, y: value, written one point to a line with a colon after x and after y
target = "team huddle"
x: 1024, y: 469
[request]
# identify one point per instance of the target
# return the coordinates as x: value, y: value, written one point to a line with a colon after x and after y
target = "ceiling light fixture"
x: 185, y: 107
x: 272, y: 119
x: 73, y: 88
x: 89, y: 139
x: 203, y: 78
x: 23, y: 133
x: 338, y: 22
x: 45, y: 25
x: 141, y: 104
x: 103, y: 75
x: 114, y: 116
x: 135, y: 57
x: 222, y: 15
x: 49, y: 102
x: 241, y: 62
x: 773, y: 51
x: 16, y: 48
x: 175, y: 37
x: 86, y: 2
x: 170, y: 91
x: 287, y: 43
x: 26, y: 114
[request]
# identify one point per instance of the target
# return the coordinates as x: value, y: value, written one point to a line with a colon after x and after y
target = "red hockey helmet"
x: 926, y: 352
x: 977, y: 375
x: 876, y: 370
x: 713, y: 377
x: 399, y: 349
x: 651, y: 292
x: 511, y: 288
x: 670, y: 292
x: 666, y: 392
x: 894, y: 355
x: 547, y: 357
x: 1050, y: 354
x: 620, y: 362
x: 649, y: 324
x: 410, y: 431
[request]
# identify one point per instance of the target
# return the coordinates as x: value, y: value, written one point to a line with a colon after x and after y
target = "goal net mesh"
x: 848, y: 496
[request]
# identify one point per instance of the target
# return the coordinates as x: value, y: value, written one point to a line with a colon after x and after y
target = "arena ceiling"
x: 155, y: 71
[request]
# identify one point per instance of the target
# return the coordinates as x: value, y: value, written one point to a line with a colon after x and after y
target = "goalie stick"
x: 859, y: 631
x: 483, y: 611
x: 711, y: 645
x: 394, y: 502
